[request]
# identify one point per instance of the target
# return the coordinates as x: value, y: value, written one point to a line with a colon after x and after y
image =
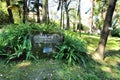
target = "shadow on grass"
x: 113, y: 57
x: 112, y: 53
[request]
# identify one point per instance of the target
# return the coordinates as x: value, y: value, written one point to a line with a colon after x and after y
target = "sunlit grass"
x: 92, y: 42
x: 113, y: 43
x: 24, y: 64
x: 111, y: 62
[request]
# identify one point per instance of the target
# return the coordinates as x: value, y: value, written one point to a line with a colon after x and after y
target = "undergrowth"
x: 15, y: 43
x: 72, y: 50
x: 15, y: 40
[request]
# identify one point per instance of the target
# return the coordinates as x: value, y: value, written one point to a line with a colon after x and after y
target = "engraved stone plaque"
x: 45, y: 43
x: 47, y: 38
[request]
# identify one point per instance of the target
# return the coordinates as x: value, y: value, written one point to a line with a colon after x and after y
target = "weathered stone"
x: 47, y: 38
x: 45, y: 43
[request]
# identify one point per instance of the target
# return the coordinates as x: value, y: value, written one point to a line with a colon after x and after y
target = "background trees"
x: 45, y: 12
x: 38, y: 11
x: 24, y: 10
x: 70, y: 15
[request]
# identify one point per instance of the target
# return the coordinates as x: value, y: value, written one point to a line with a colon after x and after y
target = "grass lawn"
x: 49, y: 69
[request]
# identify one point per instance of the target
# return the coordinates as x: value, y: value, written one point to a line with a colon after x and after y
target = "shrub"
x: 116, y: 32
x: 73, y: 50
x: 15, y: 42
x: 45, y: 28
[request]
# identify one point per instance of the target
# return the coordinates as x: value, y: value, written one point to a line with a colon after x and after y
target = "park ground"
x: 49, y: 69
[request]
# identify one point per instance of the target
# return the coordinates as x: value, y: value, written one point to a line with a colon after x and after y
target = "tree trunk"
x: 38, y: 15
x: 11, y: 20
x: 99, y: 53
x: 24, y: 10
x: 91, y: 16
x: 63, y: 24
x: 67, y: 15
x: 61, y: 17
x: 45, y: 17
x: 79, y: 17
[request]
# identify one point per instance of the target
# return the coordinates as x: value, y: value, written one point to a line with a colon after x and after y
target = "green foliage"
x: 116, y: 32
x: 15, y: 42
x: 45, y: 28
x: 3, y: 17
x: 73, y: 50
x: 99, y: 23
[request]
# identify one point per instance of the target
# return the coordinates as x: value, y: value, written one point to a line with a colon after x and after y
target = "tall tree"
x: 62, y: 15
x: 45, y: 12
x: 66, y: 5
x: 67, y: 14
x: 99, y: 53
x: 11, y: 19
x: 79, y: 16
x: 91, y: 16
x: 24, y: 10
x: 61, y: 5
x: 38, y: 11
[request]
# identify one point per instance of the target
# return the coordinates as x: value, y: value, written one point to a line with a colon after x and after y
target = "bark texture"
x: 24, y: 10
x: 38, y: 12
x: 45, y: 17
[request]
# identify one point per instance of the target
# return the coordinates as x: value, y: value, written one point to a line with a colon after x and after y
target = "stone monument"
x: 45, y: 43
